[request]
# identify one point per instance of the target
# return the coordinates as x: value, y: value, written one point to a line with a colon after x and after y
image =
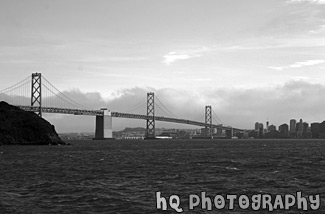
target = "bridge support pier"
x: 104, y: 126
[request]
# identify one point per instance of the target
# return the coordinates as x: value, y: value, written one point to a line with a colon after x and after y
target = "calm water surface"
x: 123, y: 176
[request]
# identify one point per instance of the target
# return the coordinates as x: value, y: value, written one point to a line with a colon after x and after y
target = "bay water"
x: 124, y: 176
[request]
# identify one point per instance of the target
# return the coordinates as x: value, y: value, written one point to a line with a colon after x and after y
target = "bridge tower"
x: 208, y: 122
x: 36, y: 98
x: 150, y: 131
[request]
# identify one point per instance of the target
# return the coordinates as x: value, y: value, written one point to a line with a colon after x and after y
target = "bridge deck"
x: 121, y: 115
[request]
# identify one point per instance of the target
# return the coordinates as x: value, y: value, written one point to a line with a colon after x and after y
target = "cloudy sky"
x: 250, y: 60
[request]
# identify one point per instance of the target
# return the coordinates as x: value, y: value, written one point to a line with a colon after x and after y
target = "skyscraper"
x: 284, y: 130
x: 292, y: 132
x: 322, y: 130
x: 315, y: 130
x: 257, y: 126
x: 272, y: 128
x: 305, y: 130
x: 261, y: 130
x: 299, y: 128
x: 293, y: 125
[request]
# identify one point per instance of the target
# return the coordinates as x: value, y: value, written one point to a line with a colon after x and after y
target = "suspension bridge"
x: 38, y: 95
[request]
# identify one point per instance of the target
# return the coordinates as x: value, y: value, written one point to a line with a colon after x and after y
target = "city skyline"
x: 294, y: 129
x: 266, y: 122
x: 250, y: 60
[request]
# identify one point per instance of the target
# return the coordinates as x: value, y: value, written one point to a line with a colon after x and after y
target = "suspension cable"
x: 13, y: 87
x: 61, y: 98
x: 217, y: 118
x: 135, y: 107
x: 70, y: 100
x: 169, y: 112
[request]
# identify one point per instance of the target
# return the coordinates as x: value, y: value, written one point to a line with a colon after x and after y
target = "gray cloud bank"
x: 237, y: 107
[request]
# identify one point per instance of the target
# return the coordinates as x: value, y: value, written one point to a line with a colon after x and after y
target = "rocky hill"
x: 25, y: 128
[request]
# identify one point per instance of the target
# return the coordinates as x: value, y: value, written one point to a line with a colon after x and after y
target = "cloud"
x: 299, y: 64
x: 237, y: 107
x: 113, y: 59
x: 185, y: 53
x: 300, y: 78
x: 199, y: 79
x: 320, y: 30
x: 277, y: 68
x: 294, y: 99
x: 308, y: 1
x: 306, y: 63
x: 173, y: 56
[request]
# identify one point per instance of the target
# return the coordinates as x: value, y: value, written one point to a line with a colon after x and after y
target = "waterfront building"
x: 272, y: 128
x: 292, y: 131
x: 257, y: 125
x: 293, y: 125
x: 322, y: 130
x: 260, y: 130
x: 219, y: 132
x: 299, y: 126
x: 299, y: 129
x: 284, y: 130
x: 306, y: 132
x: 314, y: 130
x: 305, y: 127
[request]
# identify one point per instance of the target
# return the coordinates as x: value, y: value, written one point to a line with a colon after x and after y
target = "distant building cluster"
x: 163, y: 133
x: 130, y: 133
x: 77, y: 136
x: 295, y: 129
